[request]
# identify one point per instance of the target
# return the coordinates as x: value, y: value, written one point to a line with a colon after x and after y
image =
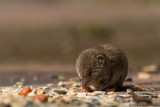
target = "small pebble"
x: 138, y: 88
x: 129, y: 91
x: 111, y: 92
x: 20, y: 86
x: 59, y: 91
x: 61, y: 84
x: 41, y: 97
x: 122, y: 99
x: 50, y: 85
x: 31, y: 94
x: 75, y: 101
x: 29, y: 104
x: 143, y: 94
x: 76, y: 85
x: 24, y: 91
x: 99, y: 92
x: 81, y: 94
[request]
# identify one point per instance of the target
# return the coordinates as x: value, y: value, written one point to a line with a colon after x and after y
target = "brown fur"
x: 102, y: 67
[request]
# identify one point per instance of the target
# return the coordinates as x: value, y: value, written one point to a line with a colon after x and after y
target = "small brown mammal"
x: 103, y: 67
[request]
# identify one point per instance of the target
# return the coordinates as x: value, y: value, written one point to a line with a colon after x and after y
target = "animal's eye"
x: 100, y: 58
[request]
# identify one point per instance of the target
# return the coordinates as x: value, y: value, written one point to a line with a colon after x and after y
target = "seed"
x: 138, y: 88
x: 59, y: 91
x: 76, y: 85
x: 24, y: 91
x: 111, y: 92
x: 81, y: 94
x: 61, y: 84
x: 129, y: 91
x: 41, y: 98
x: 99, y: 92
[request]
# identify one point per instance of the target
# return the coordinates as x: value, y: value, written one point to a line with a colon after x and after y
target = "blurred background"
x: 54, y: 32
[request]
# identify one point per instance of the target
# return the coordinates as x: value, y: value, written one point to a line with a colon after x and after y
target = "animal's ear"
x: 100, y: 59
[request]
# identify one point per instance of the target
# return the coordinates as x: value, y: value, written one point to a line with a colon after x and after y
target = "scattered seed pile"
x: 70, y: 94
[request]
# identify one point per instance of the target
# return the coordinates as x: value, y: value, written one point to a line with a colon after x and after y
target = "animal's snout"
x: 85, y: 84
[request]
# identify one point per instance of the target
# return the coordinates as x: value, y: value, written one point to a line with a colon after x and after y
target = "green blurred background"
x: 55, y: 32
